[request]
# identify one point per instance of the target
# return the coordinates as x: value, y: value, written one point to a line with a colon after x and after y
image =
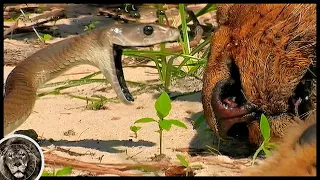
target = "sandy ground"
x: 104, y: 135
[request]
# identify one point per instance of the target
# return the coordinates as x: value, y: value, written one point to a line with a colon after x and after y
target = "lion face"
x: 259, y: 63
x: 16, y: 159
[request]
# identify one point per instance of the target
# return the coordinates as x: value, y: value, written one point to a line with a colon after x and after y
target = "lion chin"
x: 17, y: 172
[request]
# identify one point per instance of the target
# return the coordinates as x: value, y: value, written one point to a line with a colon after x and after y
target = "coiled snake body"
x: 101, y: 47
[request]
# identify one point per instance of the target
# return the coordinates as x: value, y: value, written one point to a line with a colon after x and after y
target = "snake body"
x: 95, y: 47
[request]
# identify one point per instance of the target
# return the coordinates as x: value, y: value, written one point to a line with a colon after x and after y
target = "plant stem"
x: 160, y: 132
x: 256, y: 153
x: 163, y: 57
x: 160, y: 135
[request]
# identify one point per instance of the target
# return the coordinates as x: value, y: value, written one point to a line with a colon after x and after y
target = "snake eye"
x: 148, y: 30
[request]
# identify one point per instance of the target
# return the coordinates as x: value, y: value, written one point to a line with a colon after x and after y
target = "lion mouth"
x: 234, y: 113
x: 231, y: 109
x: 18, y: 175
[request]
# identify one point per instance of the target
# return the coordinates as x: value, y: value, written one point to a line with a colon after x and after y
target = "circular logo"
x: 20, y: 158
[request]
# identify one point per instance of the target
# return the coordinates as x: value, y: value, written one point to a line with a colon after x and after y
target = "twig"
x: 81, y: 133
x: 90, y: 167
x: 8, y: 15
x: 48, y: 16
x: 152, y: 166
x: 71, y: 153
x: 32, y: 26
x: 188, y: 150
x: 130, y: 157
x: 32, y: 6
x: 56, y: 13
x: 11, y: 28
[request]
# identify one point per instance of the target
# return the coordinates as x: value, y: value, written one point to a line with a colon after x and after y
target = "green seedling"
x: 163, y: 107
x: 91, y: 26
x: 185, y: 163
x: 135, y: 129
x: 46, y: 37
x: 265, y: 146
x: 62, y: 172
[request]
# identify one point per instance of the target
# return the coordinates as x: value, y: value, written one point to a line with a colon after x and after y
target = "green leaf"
x: 177, y: 123
x: 64, y: 171
x: 144, y: 120
x: 165, y: 124
x: 271, y: 146
x: 198, y: 121
x: 266, y: 151
x: 135, y: 128
x: 264, y: 127
x: 163, y: 105
x: 91, y: 26
x: 47, y: 37
x: 182, y: 160
x: 47, y: 173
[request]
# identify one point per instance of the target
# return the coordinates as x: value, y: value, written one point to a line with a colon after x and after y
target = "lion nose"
x: 18, y: 163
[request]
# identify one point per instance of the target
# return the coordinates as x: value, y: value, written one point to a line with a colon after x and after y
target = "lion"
x: 18, y: 161
x: 262, y: 60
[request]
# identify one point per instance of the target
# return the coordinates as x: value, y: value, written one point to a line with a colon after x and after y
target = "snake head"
x: 122, y: 36
x: 141, y: 35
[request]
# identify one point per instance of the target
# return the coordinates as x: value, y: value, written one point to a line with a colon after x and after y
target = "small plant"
x: 62, y: 172
x: 266, y: 146
x: 163, y: 107
x: 185, y: 163
x: 135, y: 129
x: 91, y: 26
x: 46, y: 37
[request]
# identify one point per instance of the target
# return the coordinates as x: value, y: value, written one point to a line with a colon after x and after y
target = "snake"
x: 100, y: 47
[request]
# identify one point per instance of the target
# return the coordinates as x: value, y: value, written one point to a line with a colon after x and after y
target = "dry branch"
x: 119, y: 168
x: 27, y: 7
x: 84, y: 166
x: 34, y: 21
x: 11, y: 28
x: 8, y: 15
x: 55, y: 13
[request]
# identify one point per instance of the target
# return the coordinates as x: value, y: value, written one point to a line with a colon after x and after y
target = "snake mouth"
x: 117, y: 53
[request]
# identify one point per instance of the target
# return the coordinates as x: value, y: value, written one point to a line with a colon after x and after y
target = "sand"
x: 104, y: 135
